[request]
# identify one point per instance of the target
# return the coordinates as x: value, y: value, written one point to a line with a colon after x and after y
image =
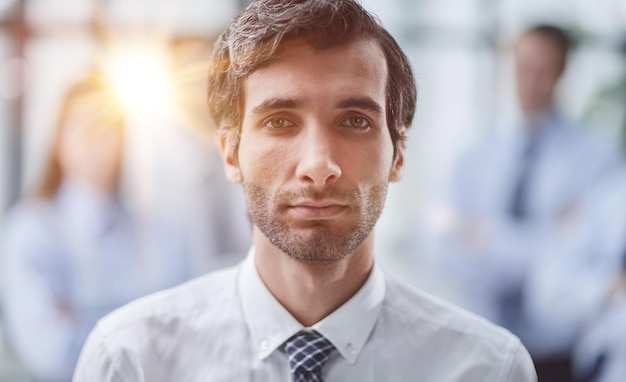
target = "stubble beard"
x: 318, y: 242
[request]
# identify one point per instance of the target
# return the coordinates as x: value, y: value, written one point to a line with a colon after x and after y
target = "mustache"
x: 314, y: 194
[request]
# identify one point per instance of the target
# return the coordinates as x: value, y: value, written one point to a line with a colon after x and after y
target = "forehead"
x: 299, y: 68
x: 357, y: 51
x: 538, y: 45
x: 87, y: 115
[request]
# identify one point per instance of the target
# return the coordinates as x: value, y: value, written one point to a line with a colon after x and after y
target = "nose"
x: 317, y: 165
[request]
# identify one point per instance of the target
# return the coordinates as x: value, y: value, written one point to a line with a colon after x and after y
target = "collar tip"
x: 350, y: 357
x: 263, y: 355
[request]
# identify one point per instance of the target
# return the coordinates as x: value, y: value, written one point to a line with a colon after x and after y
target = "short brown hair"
x: 254, y: 36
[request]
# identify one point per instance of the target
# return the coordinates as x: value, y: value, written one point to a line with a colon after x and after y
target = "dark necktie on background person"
x: 519, y: 202
x: 307, y: 353
x: 511, y: 301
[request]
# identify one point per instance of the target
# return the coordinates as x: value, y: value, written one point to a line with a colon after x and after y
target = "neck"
x: 536, y: 123
x: 311, y: 291
x: 538, y: 114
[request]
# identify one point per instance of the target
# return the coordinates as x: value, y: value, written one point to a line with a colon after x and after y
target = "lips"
x: 318, y: 210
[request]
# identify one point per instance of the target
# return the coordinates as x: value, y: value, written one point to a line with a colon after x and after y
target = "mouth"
x: 314, y: 210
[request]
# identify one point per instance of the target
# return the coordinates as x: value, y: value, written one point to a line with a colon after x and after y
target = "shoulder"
x: 586, y: 148
x: 152, y: 334
x: 203, y: 294
x: 582, y: 135
x: 417, y: 306
x: 427, y: 324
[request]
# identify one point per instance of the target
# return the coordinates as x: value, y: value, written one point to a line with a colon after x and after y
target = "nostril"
x: 319, y: 172
x: 318, y: 155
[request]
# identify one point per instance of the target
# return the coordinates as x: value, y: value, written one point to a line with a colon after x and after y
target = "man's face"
x: 539, y: 64
x: 315, y: 155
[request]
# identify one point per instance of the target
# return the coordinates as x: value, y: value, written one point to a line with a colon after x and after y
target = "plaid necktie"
x: 307, y: 353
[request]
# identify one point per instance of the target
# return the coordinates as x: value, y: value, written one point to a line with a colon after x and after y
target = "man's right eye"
x: 278, y: 123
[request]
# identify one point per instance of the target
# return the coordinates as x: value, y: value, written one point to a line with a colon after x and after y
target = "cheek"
x: 383, y: 151
x: 72, y: 152
x: 108, y: 152
x: 383, y: 170
x: 260, y: 163
x: 370, y: 164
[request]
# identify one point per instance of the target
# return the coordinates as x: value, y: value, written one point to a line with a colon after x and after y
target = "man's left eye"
x: 356, y: 121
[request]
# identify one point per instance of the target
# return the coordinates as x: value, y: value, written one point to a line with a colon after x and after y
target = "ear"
x: 398, y: 162
x: 231, y: 165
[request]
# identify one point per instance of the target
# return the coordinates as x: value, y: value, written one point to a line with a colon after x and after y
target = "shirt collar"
x: 347, y: 328
x: 548, y: 121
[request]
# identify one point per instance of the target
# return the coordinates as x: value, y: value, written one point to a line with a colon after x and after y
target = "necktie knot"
x: 307, y: 353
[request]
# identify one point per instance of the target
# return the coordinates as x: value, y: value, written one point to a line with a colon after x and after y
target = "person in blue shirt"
x: 513, y: 193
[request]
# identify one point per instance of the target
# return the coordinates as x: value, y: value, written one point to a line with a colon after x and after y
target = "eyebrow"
x: 276, y: 104
x: 272, y: 104
x: 364, y: 103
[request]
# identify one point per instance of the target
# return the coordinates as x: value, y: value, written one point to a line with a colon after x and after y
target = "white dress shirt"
x: 227, y: 326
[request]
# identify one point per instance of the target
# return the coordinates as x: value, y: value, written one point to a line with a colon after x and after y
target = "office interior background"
x: 460, y: 51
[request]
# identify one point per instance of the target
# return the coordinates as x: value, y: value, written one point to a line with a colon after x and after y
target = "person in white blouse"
x: 313, y: 100
x: 73, y: 252
x: 513, y: 193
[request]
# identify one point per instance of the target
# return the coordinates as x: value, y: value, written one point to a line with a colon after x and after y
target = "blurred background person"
x: 513, y: 192
x: 72, y: 250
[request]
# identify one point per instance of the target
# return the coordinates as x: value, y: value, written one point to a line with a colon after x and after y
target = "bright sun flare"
x: 140, y: 75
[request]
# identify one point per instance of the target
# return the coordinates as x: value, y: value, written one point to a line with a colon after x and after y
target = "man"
x: 513, y: 194
x: 313, y: 99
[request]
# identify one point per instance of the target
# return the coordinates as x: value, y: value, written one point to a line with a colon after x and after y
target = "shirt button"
x: 264, y: 345
x: 350, y: 348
